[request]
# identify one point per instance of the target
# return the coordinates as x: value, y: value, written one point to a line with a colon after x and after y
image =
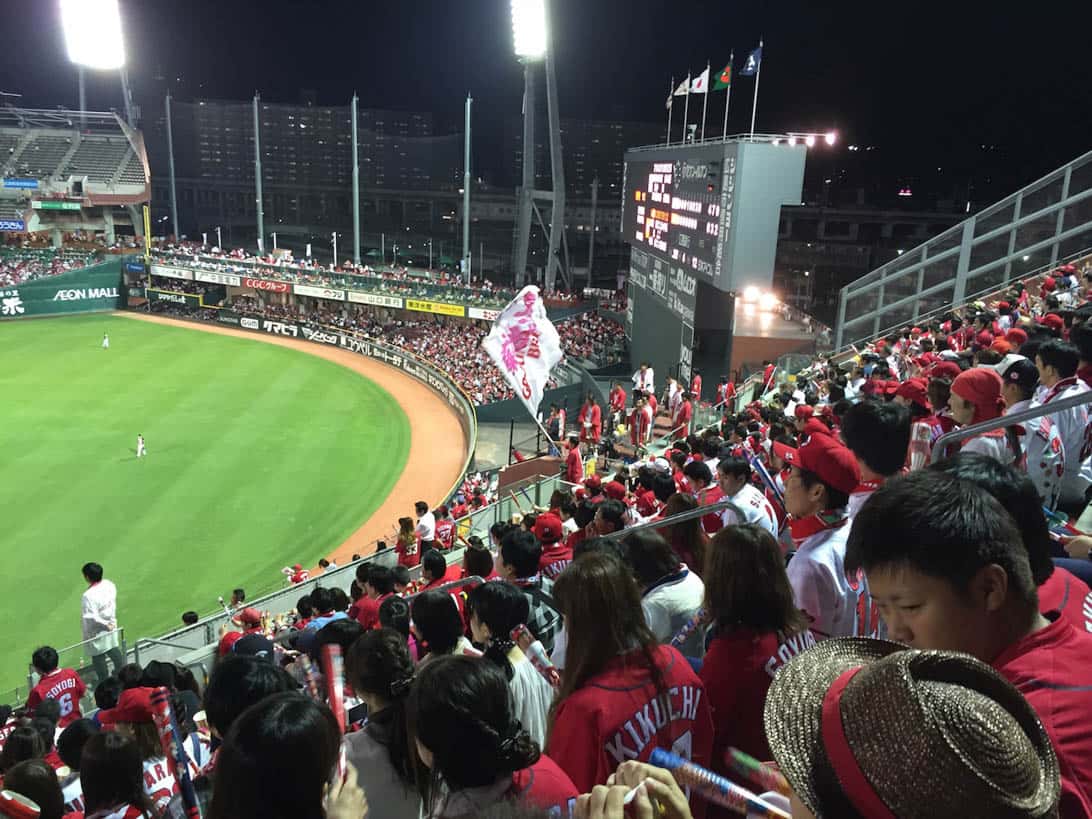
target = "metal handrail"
x: 1012, y: 419
x: 681, y: 517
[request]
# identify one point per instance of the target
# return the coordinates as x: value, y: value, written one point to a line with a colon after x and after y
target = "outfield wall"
x: 95, y: 288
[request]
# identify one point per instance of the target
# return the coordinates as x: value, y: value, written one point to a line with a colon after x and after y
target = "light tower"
x: 531, y: 37
x: 93, y: 39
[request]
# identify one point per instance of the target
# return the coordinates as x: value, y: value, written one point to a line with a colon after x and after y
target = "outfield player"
x: 105, y: 341
x: 140, y: 451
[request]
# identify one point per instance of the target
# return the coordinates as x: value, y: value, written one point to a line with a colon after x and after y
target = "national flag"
x: 724, y: 79
x: 667, y: 105
x: 524, y: 345
x: 683, y: 89
x: 753, y: 61
x: 701, y: 83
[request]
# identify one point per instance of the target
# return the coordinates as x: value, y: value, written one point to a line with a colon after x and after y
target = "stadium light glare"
x: 751, y: 294
x: 529, y: 28
x: 792, y: 140
x: 809, y: 140
x: 92, y: 33
x: 830, y: 138
x: 767, y: 302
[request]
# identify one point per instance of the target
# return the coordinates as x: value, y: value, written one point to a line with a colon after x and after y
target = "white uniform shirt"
x: 1044, y: 454
x: 645, y: 382
x: 99, y: 609
x: 754, y: 505
x: 531, y: 696
x: 426, y: 526
x: 819, y: 584
x: 994, y: 446
x: 669, y: 605
x: 1072, y: 425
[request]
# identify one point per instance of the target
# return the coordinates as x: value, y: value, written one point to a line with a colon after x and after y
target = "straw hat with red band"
x: 962, y: 735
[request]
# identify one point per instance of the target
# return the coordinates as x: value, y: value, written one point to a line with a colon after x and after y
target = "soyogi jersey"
x: 63, y: 685
x: 619, y: 715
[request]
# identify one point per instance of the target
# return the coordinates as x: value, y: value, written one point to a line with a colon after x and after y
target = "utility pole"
x: 466, y: 192
x: 258, y: 173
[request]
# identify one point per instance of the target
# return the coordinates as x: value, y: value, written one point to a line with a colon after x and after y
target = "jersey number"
x: 65, y: 701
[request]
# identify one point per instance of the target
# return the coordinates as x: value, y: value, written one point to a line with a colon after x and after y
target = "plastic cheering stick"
x: 333, y: 668
x: 713, y: 787
x: 762, y: 775
x: 170, y: 739
x: 689, y: 627
x: 536, y: 653
x: 310, y: 677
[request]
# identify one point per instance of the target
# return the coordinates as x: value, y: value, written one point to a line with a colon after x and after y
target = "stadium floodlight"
x: 830, y: 138
x: 92, y: 33
x: 792, y: 140
x: 809, y: 140
x: 767, y: 302
x: 751, y: 294
x: 529, y: 28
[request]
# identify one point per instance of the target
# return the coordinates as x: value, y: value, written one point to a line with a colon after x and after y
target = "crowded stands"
x: 21, y: 266
x: 827, y: 579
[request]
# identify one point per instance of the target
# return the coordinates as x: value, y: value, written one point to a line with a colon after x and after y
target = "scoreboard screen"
x: 673, y: 209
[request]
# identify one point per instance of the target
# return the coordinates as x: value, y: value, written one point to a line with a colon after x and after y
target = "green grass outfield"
x: 258, y: 457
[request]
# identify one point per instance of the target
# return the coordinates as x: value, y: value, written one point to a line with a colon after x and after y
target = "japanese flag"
x: 524, y: 345
x: 701, y: 83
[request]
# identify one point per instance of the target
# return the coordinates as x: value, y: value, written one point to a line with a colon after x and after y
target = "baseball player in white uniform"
x: 140, y: 451
x: 105, y: 341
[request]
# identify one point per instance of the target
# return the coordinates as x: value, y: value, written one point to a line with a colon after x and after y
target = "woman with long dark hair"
x: 496, y: 609
x: 477, y: 753
x: 618, y: 680
x: 381, y: 671
x: 112, y: 776
x: 437, y: 624
x: 687, y: 539
x: 756, y: 628
x: 280, y: 761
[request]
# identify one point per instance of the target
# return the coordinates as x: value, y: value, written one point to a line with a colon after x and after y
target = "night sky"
x: 928, y: 84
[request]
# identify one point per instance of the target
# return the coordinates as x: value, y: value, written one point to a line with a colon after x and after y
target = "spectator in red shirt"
x: 61, y: 684
x: 555, y: 554
x: 433, y: 570
x: 756, y: 628
x: 250, y: 620
x: 407, y: 546
x: 947, y: 568
x: 476, y: 751
x: 379, y: 586
x: 614, y: 672
x: 574, y: 466
x: 445, y: 529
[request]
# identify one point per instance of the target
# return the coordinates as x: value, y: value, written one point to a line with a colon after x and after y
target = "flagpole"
x: 670, y: 105
x: 705, y: 103
x: 686, y: 108
x: 728, y: 96
x: 754, y: 103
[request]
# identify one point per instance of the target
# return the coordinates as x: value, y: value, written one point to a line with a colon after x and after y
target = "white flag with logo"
x: 701, y: 83
x: 525, y: 346
x: 683, y: 89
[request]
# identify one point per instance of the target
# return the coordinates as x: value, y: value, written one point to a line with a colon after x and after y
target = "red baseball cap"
x: 946, y: 369
x: 891, y: 387
x: 593, y: 482
x: 248, y: 617
x: 1016, y: 336
x: 984, y: 338
x: 785, y: 452
x: 813, y: 427
x: 1049, y: 283
x: 615, y: 490
x: 804, y: 411
x: 831, y: 461
x: 915, y: 390
x: 134, y: 705
x: 1054, y: 322
x: 547, y: 528
x: 916, y: 331
x: 1001, y: 346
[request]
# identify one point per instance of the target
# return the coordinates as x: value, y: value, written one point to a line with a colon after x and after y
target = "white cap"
x: 1003, y: 365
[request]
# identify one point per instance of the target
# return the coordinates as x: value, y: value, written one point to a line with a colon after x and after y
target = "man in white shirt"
x: 734, y: 479
x: 1057, y: 362
x: 98, y: 619
x: 644, y: 379
x: 426, y: 527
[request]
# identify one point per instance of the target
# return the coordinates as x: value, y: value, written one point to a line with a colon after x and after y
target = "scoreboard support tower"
x: 702, y: 224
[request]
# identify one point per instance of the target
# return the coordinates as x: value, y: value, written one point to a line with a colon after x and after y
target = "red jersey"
x: 695, y: 386
x: 712, y: 522
x: 232, y: 637
x: 590, y: 420
x: 63, y: 685
x: 367, y: 611
x: 545, y: 786
x: 617, y: 399
x: 555, y: 558
x: 574, y: 467
x: 1051, y: 669
x: 738, y: 668
x: 619, y: 715
x: 445, y: 533
x: 682, y: 419
x: 1068, y: 595
x: 409, y: 554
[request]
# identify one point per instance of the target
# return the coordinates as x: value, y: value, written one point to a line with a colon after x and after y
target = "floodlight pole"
x: 258, y: 175
x: 523, y: 219
x: 170, y: 167
x: 557, y: 169
x: 356, y: 186
x: 591, y: 235
x: 466, y: 194
x: 127, y: 97
x: 81, y: 73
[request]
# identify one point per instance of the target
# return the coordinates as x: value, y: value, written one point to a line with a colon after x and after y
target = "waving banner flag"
x: 525, y: 346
